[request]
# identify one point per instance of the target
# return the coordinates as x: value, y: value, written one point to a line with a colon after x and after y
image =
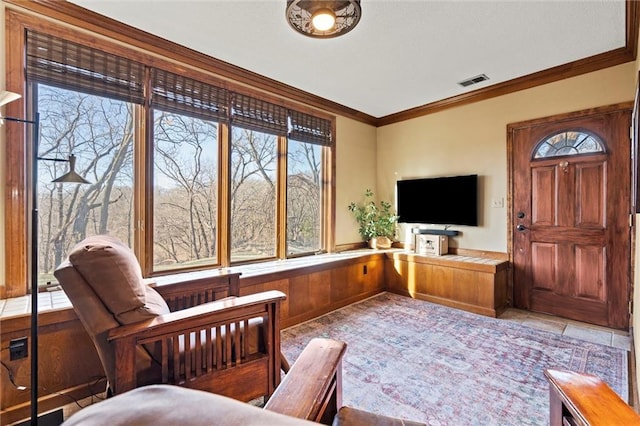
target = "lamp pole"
x: 34, y: 263
x: 34, y: 272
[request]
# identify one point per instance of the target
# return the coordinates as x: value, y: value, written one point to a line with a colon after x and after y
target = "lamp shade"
x: 6, y: 97
x: 323, y: 19
x: 71, y: 176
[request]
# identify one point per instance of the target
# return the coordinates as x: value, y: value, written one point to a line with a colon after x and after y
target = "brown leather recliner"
x: 210, y: 347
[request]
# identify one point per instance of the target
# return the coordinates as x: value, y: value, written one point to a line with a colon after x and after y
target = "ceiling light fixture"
x: 323, y: 19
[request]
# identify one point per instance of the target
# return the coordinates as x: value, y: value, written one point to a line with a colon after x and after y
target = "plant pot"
x: 380, y: 243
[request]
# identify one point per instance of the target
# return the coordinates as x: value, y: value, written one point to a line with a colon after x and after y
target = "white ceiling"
x: 402, y: 54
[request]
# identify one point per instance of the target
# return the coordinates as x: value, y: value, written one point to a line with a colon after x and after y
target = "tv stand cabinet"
x: 473, y: 284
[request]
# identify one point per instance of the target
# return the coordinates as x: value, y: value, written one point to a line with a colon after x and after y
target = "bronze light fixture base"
x: 301, y: 15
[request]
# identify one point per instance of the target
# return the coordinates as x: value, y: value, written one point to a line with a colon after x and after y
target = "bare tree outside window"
x: 304, y: 197
x: 253, y: 194
x: 99, y: 132
x: 185, y: 191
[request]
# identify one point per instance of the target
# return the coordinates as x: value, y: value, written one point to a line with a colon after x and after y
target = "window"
x: 308, y: 135
x: 86, y: 100
x: 185, y: 195
x: 98, y: 132
x: 188, y: 171
x: 186, y: 127
x: 253, y: 195
x: 568, y: 143
x: 304, y: 197
x: 256, y: 125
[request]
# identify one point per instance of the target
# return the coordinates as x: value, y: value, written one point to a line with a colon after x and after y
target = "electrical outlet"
x: 18, y: 349
x: 497, y: 203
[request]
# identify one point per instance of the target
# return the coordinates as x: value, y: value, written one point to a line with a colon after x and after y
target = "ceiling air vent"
x: 473, y: 80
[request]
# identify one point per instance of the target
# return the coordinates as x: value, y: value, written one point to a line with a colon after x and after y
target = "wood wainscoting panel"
x: 318, y: 289
x: 309, y: 293
x: 68, y: 364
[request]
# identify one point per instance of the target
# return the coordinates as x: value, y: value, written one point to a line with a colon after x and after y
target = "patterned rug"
x: 421, y: 361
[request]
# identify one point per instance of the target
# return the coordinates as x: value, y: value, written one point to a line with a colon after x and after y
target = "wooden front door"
x: 571, y: 237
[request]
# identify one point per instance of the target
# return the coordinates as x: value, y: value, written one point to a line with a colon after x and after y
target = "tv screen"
x: 451, y: 200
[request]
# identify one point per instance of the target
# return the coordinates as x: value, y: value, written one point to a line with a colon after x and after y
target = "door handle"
x: 521, y: 228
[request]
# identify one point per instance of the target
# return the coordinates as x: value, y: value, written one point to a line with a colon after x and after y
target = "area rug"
x: 421, y: 361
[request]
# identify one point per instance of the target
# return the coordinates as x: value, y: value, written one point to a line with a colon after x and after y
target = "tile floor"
x: 591, y: 333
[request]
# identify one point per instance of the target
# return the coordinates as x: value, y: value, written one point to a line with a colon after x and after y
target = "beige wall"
x: 472, y: 139
x: 355, y: 172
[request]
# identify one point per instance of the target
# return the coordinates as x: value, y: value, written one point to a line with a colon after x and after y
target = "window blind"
x: 180, y: 94
x: 255, y: 114
x: 310, y: 129
x: 52, y: 60
x: 62, y: 63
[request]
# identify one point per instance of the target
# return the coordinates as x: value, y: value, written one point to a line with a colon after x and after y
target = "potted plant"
x: 377, y: 223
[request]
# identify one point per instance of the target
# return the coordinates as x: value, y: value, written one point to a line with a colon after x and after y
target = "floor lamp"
x: 71, y: 176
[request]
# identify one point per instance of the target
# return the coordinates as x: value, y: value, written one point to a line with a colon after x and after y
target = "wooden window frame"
x: 635, y: 149
x: 17, y: 167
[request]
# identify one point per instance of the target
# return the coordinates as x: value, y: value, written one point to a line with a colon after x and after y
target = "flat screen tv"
x: 450, y: 200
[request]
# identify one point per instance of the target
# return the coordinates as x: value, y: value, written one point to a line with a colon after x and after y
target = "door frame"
x: 558, y: 118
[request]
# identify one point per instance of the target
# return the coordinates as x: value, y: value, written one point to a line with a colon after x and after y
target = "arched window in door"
x: 573, y: 142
